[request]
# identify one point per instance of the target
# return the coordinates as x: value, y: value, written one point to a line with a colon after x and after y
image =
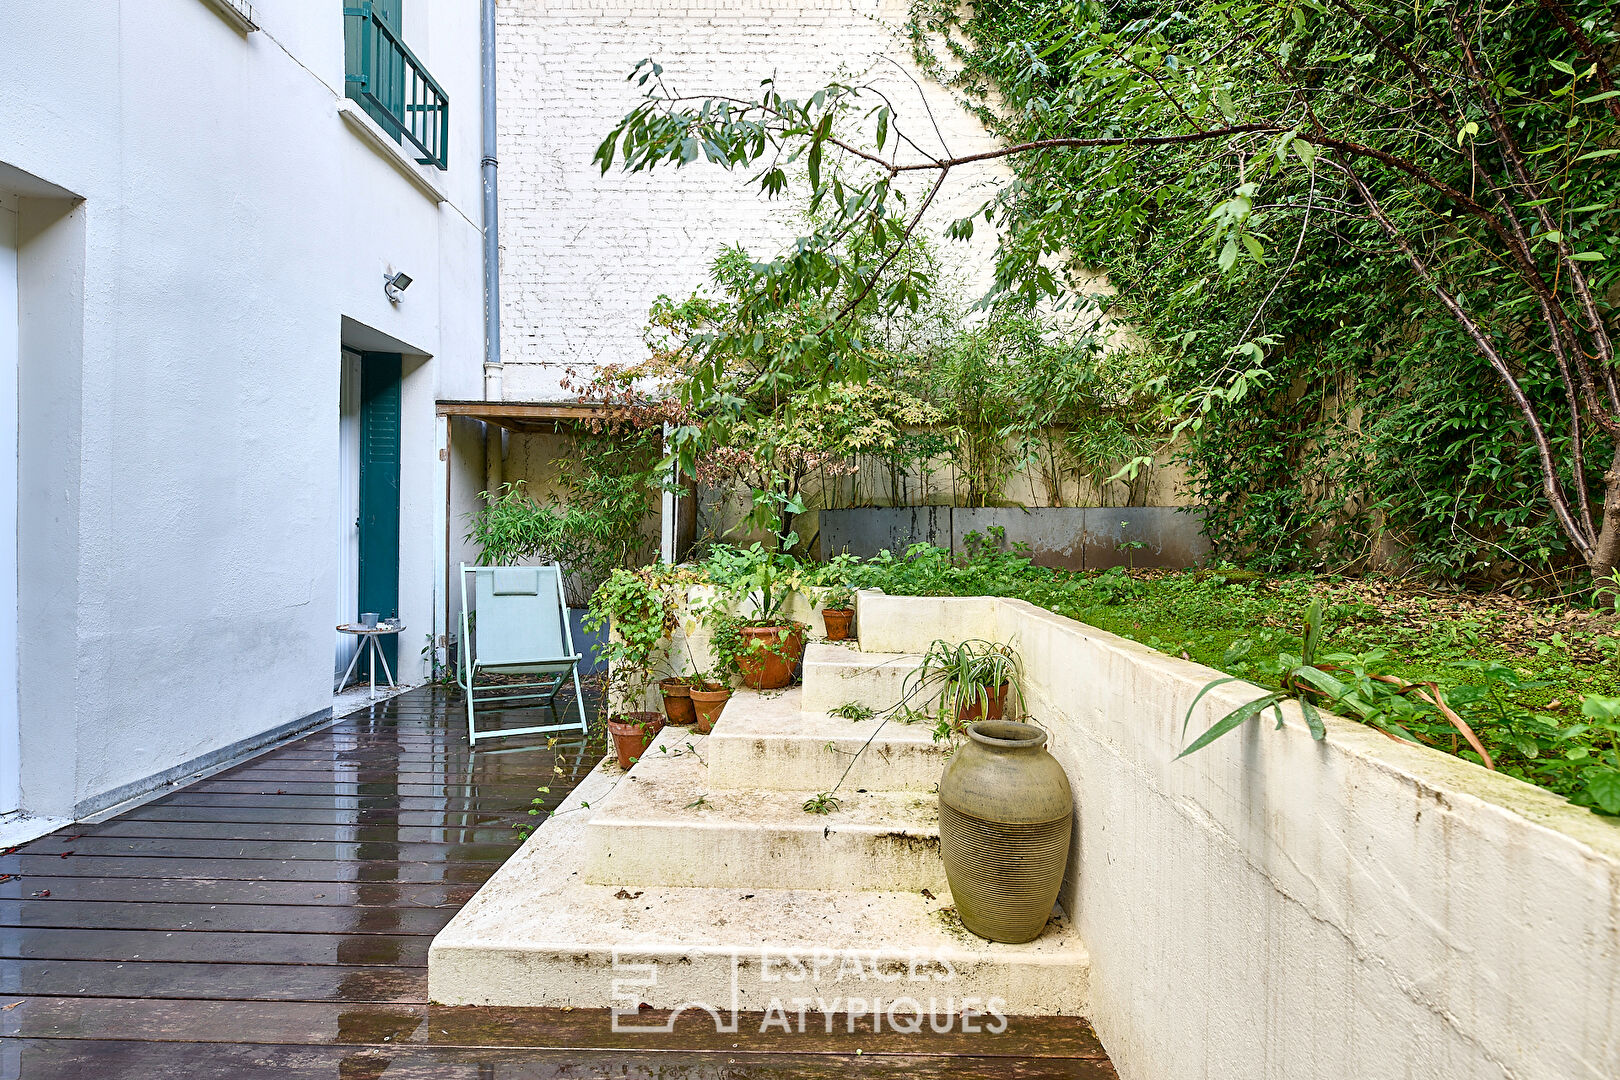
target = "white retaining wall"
x: 1277, y: 907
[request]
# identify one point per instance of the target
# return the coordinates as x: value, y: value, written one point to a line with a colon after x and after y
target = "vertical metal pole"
x: 492, y: 239
x: 666, y: 508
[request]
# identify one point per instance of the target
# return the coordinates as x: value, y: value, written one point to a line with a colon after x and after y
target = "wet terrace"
x: 274, y: 920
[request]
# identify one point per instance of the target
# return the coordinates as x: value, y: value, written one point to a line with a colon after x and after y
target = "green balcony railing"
x: 392, y: 85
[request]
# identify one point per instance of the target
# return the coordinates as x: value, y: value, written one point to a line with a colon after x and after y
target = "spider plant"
x: 963, y: 675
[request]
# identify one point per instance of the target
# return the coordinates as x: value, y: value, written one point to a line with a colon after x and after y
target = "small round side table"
x: 370, y: 642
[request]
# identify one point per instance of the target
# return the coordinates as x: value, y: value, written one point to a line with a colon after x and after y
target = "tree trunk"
x: 1606, y: 553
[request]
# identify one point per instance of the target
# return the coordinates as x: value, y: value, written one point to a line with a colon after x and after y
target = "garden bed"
x: 1519, y: 672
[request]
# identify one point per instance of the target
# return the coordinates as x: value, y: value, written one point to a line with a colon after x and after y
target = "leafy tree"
x: 1467, y: 153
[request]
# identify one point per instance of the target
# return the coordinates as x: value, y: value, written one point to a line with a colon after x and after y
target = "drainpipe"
x: 492, y: 237
x: 494, y: 438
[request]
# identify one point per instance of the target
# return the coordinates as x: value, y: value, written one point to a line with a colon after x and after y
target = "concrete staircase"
x: 698, y: 878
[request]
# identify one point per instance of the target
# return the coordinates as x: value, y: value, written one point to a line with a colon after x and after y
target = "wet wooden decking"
x: 274, y: 920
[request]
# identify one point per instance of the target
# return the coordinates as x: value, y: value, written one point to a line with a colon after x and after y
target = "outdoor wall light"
x: 394, y: 286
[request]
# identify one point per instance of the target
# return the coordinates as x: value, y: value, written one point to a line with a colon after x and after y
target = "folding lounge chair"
x: 519, y: 627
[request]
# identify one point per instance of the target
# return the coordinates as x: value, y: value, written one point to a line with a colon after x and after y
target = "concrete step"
x: 767, y: 742
x: 540, y: 934
x: 668, y: 823
x: 837, y: 674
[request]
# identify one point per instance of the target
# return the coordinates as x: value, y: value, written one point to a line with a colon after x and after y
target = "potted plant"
x: 709, y: 694
x: 632, y: 733
x: 837, y: 612
x: 676, y: 690
x: 677, y: 694
x: 638, y: 606
x: 771, y: 644
x: 972, y: 681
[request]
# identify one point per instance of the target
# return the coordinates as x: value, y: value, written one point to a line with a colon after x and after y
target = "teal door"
x: 379, y: 491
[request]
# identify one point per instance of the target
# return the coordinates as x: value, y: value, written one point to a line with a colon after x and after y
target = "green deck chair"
x: 520, y: 628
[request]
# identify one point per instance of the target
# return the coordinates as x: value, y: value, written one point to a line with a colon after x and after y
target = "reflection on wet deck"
x: 274, y: 920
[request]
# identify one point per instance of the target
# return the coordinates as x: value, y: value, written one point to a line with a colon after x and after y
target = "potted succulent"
x: 972, y: 680
x: 838, y: 611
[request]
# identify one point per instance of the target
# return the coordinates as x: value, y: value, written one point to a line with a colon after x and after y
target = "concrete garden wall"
x: 1064, y: 537
x: 1277, y: 907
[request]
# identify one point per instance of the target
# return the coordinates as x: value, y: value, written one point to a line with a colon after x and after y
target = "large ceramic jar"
x: 1005, y: 814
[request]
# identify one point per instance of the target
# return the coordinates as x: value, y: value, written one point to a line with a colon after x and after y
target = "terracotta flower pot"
x: 837, y: 621
x: 633, y: 733
x: 970, y: 713
x: 677, y: 701
x: 1005, y: 815
x: 708, y: 701
x: 770, y: 656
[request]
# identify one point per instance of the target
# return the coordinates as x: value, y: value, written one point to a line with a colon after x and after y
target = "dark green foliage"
x: 1370, y: 421
x: 593, y: 527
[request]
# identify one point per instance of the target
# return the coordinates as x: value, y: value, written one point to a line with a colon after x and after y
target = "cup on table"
x: 368, y: 619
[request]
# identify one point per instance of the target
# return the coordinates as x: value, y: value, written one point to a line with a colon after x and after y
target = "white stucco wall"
x: 584, y: 255
x: 183, y: 381
x: 1275, y: 907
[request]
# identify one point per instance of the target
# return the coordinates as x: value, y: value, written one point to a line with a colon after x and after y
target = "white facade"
x: 200, y: 231
x: 584, y: 255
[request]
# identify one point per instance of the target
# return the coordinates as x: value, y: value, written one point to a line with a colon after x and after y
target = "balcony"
x: 391, y: 84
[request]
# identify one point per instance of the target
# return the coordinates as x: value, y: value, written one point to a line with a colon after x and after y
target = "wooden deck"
x: 274, y: 920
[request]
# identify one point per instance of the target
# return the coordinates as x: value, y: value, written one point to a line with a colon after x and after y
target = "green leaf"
x: 1223, y: 102
x: 1229, y: 254
x: 1313, y: 720
x: 1207, y: 688
x: 1588, y: 256
x: 1598, y: 154
x: 1234, y: 719
x: 1320, y: 679
x: 1603, y: 787
x: 1605, y: 96
x: 1313, y: 630
x: 1306, y: 152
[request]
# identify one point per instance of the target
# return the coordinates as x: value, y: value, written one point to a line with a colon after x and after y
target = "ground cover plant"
x: 1537, y: 681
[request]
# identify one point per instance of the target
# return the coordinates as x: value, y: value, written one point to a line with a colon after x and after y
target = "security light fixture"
x: 394, y: 286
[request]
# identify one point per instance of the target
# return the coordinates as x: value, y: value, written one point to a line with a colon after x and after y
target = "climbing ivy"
x: 1373, y: 426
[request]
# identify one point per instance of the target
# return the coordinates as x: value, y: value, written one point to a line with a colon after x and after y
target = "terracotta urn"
x: 1005, y: 815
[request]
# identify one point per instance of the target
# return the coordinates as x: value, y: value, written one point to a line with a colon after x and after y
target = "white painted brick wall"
x: 584, y: 255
